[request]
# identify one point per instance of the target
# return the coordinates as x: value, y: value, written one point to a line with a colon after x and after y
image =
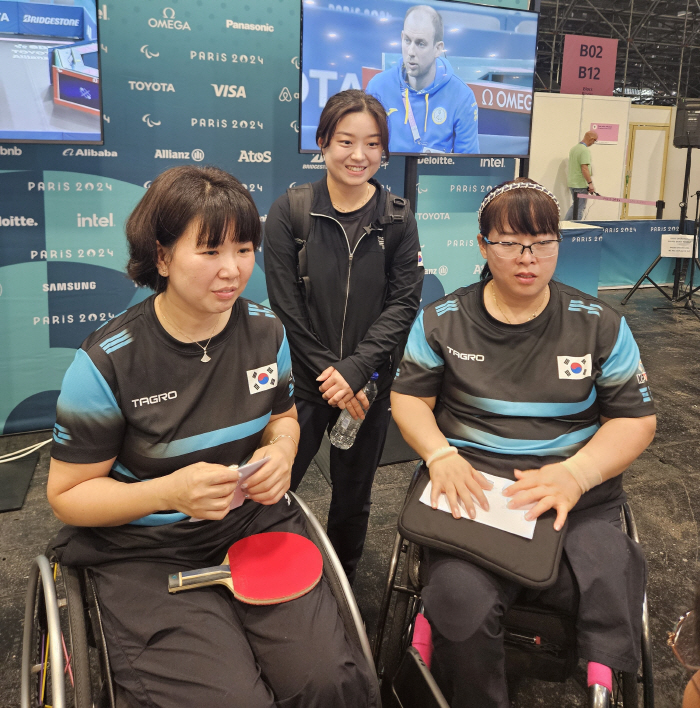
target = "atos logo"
x: 168, y: 21
x: 148, y: 53
x: 250, y: 156
x: 229, y: 91
x: 150, y: 123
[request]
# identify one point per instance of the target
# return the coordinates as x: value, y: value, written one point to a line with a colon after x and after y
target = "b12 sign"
x: 588, y: 66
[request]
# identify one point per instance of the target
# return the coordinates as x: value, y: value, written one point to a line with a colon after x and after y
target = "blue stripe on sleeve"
x: 284, y: 360
x: 159, y: 519
x: 623, y: 361
x: 526, y: 409
x: 204, y: 441
x: 85, y: 392
x: 418, y: 350
x: 565, y: 445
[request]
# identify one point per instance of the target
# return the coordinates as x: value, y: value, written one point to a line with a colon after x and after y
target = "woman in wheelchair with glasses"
x: 156, y: 405
x: 524, y: 377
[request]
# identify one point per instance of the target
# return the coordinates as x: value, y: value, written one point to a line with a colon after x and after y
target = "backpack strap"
x: 300, y: 198
x: 394, y: 216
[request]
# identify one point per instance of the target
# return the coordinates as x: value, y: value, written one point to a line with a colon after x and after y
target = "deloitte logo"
x: 147, y: 53
x: 317, y: 163
x: 88, y: 152
x: 14, y: 150
x: 150, y: 123
x: 436, y: 161
x: 168, y: 21
x: 17, y: 221
x: 197, y: 155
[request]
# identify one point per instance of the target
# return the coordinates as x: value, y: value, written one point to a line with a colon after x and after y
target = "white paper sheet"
x: 243, y: 474
x: 498, y: 516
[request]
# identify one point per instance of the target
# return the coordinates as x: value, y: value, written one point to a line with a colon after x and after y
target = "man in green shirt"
x: 579, y: 178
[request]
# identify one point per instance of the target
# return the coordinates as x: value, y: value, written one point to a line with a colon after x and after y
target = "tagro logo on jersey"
x: 262, y: 379
x: 574, y: 367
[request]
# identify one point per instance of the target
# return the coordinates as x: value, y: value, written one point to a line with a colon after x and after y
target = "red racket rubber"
x: 264, y: 569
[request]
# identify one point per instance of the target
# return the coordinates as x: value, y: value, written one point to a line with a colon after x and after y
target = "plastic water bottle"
x: 345, y: 429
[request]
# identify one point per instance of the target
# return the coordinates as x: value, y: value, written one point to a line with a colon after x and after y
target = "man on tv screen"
x: 429, y: 108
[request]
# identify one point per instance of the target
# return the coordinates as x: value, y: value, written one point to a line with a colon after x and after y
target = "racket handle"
x: 198, y: 578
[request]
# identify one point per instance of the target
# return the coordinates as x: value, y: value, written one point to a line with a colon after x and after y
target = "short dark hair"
x: 216, y: 200
x: 438, y: 29
x: 351, y: 101
x: 525, y: 211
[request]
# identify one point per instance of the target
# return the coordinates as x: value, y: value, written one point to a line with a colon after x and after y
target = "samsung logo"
x: 61, y: 287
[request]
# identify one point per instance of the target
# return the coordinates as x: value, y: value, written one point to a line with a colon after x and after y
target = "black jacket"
x: 357, y: 316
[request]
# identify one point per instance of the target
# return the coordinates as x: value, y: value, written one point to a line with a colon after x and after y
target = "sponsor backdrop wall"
x: 185, y: 82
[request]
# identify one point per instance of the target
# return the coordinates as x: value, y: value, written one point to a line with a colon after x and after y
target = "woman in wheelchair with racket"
x: 523, y: 377
x: 154, y: 408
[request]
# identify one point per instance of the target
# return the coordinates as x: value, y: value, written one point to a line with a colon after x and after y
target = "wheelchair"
x: 539, y: 642
x: 65, y: 662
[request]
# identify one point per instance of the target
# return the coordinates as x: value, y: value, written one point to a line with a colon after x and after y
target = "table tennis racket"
x: 264, y: 569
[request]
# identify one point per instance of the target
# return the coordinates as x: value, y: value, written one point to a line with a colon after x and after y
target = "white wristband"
x: 440, y: 452
x: 582, y: 468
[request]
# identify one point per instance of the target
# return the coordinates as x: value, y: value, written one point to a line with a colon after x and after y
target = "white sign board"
x: 676, y: 246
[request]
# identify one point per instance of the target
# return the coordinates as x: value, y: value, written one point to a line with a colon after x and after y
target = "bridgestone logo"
x: 38, y: 20
x: 230, y: 24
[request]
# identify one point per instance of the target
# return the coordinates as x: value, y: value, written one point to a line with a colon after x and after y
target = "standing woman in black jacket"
x: 359, y: 298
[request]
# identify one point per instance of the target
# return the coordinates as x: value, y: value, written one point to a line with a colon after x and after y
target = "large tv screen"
x: 50, y: 72
x: 453, y: 77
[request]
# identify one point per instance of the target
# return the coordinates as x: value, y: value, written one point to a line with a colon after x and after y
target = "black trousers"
x: 204, y: 648
x: 601, y: 582
x: 352, y: 473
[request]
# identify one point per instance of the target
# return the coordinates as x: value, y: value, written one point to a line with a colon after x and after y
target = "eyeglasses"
x: 512, y: 249
x: 682, y: 641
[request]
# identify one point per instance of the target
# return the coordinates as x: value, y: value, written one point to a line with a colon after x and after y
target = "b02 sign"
x: 588, y: 67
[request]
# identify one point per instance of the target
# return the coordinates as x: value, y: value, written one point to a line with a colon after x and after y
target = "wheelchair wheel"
x: 401, y: 627
x: 55, y: 668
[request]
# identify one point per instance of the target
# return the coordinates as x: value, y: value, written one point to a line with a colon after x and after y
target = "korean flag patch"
x: 262, y: 379
x: 574, y: 367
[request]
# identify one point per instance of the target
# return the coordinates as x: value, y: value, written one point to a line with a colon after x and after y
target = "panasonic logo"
x: 465, y: 357
x: 230, y: 24
x: 60, y: 287
x: 158, y: 398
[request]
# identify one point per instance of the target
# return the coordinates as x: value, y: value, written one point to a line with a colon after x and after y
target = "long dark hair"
x: 220, y: 205
x: 524, y: 211
x: 351, y: 101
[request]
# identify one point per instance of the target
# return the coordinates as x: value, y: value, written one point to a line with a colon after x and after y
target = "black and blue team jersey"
x: 523, y: 396
x: 135, y: 393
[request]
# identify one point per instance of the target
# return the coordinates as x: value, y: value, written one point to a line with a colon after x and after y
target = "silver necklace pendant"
x: 206, y: 357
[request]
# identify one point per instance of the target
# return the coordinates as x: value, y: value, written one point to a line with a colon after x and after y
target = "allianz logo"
x: 88, y: 152
x: 168, y: 21
x: 465, y: 357
x: 14, y: 150
x: 433, y: 216
x: 229, y: 91
x: 138, y: 402
x: 151, y: 86
x: 197, y: 155
x: 251, y: 156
